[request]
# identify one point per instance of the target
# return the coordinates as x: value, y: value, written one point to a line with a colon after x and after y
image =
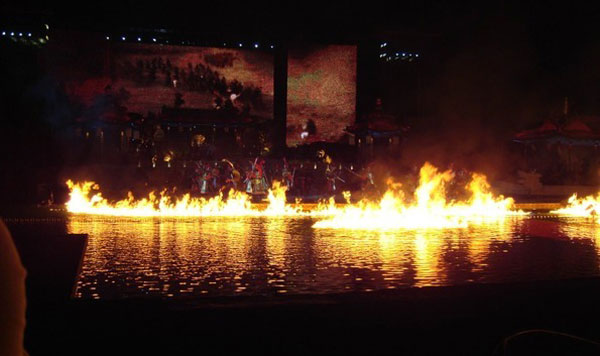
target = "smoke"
x: 482, y: 93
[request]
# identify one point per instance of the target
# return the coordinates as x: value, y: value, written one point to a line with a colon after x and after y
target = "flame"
x: 427, y: 207
x: 585, y: 207
x: 237, y: 204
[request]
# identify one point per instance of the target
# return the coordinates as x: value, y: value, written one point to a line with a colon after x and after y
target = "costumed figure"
x: 204, y: 179
x: 287, y: 175
x: 214, y: 177
x: 332, y: 175
x: 233, y: 177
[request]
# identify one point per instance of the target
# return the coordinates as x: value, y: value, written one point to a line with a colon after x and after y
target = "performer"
x: 332, y: 175
x: 214, y: 177
x: 260, y: 180
x: 248, y: 180
x: 204, y: 179
x: 286, y: 175
x: 232, y: 176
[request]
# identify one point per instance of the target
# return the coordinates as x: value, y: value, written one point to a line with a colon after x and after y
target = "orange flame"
x: 584, y: 207
x: 428, y: 207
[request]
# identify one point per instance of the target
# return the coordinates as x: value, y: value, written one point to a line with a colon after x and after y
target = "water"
x: 173, y: 258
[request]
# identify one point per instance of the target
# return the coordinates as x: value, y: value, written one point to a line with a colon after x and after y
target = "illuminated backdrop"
x: 105, y: 79
x: 321, y: 99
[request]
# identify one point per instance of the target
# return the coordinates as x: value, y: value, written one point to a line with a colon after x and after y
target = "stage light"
x: 123, y: 38
x: 240, y: 45
x: 3, y: 33
x: 29, y: 34
x: 12, y: 33
x: 256, y: 45
x: 20, y: 34
x: 107, y: 38
x: 416, y: 55
x: 139, y: 39
x: 154, y: 40
x: 272, y: 46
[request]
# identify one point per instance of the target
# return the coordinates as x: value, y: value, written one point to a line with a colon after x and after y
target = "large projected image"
x: 114, y: 80
x: 321, y: 98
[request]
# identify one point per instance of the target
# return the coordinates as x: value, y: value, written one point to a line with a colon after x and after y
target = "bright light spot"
x: 123, y: 38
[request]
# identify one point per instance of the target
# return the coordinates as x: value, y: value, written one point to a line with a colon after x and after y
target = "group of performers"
x: 210, y: 178
x: 254, y: 177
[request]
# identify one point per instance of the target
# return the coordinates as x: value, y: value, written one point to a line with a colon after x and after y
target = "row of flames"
x: 427, y: 207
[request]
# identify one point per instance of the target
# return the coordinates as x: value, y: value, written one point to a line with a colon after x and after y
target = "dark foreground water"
x: 130, y: 257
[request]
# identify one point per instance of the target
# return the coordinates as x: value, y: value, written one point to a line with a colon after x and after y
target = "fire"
x: 427, y: 207
x: 236, y: 204
x: 585, y: 207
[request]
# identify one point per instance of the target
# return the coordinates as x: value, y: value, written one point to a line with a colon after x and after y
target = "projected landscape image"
x: 321, y: 98
x: 115, y: 79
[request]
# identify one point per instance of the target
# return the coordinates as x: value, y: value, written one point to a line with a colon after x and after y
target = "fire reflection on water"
x: 161, y: 257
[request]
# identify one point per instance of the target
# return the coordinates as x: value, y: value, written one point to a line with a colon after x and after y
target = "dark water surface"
x: 170, y: 258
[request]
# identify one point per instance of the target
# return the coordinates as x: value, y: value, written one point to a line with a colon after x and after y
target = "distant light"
x: 123, y: 38
x: 29, y: 34
x: 12, y: 33
x: 154, y: 40
x: 256, y: 45
x: 272, y: 46
x: 403, y: 54
x: 47, y: 27
x: 410, y: 54
x: 20, y: 34
x: 3, y: 33
x: 416, y: 55
x: 240, y: 45
x: 107, y: 38
x: 139, y: 39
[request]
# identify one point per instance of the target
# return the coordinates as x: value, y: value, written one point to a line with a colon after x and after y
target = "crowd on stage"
x: 303, y: 178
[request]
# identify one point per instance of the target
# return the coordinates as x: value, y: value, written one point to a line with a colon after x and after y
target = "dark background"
x: 485, y: 71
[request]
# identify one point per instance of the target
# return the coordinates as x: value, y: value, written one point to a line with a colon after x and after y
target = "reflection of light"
x: 427, y: 258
